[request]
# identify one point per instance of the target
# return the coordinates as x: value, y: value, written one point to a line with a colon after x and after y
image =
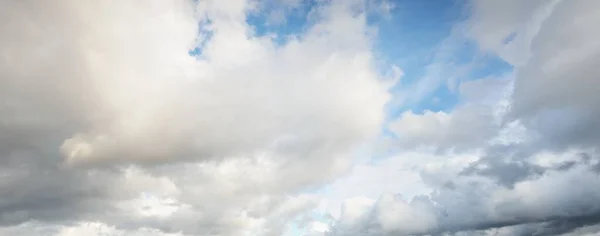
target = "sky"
x: 299, y: 118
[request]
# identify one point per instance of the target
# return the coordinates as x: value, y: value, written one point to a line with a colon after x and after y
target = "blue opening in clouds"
x: 195, y: 52
x: 281, y: 20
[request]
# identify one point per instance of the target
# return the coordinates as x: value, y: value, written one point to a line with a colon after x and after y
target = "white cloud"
x: 319, y: 227
x: 465, y: 128
x: 115, y: 123
x: 354, y: 210
x: 399, y: 216
x: 109, y: 126
x: 469, y: 126
x: 141, y: 97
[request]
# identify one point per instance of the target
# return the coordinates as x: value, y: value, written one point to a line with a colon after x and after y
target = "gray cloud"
x: 541, y: 184
x: 510, y: 164
x: 109, y: 125
x: 506, y: 173
x: 537, y: 203
x: 555, y: 91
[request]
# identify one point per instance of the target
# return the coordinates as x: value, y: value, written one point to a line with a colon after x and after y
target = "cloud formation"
x: 108, y: 118
x: 140, y: 96
x: 533, y: 147
x: 188, y: 118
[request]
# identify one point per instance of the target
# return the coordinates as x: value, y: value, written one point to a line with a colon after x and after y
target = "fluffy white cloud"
x: 125, y: 74
x: 465, y: 128
x: 109, y: 126
x: 107, y: 118
x: 468, y: 126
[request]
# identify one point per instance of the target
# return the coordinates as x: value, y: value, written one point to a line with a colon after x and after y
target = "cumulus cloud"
x: 532, y: 173
x: 467, y: 127
x: 549, y: 203
x: 182, y: 118
x: 462, y: 129
x: 140, y: 96
x: 176, y: 116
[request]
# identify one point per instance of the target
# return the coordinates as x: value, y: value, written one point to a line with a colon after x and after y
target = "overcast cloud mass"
x: 299, y: 118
